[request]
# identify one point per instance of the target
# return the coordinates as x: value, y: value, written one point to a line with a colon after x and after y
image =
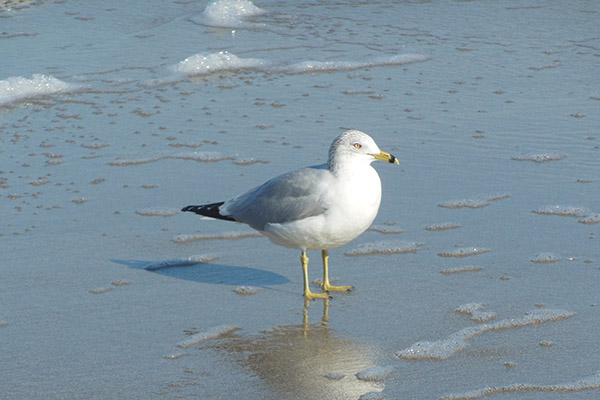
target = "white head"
x: 356, y: 145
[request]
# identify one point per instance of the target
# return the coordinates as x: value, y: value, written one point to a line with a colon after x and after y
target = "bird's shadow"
x: 217, y: 274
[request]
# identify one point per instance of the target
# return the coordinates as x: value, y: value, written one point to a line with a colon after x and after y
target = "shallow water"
x: 115, y: 115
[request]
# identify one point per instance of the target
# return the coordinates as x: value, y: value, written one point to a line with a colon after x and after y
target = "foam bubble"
x: 463, y: 252
x: 330, y: 66
x: 469, y: 308
x: 467, y: 268
x: 184, y: 238
x: 101, y: 290
x: 19, y: 88
x: 246, y: 290
x: 175, y: 356
x: 249, y: 161
x: 200, y: 156
x: 385, y: 230
x: 395, y: 247
x: 210, y: 333
x: 474, y: 310
x: 157, y: 212
x: 229, y: 14
x: 539, y: 157
x: 442, y: 227
x: 444, y: 348
x: 587, y: 383
x: 545, y: 258
x: 476, y: 202
x: 191, y: 260
x: 590, y: 219
x: 563, y: 211
x: 335, y: 376
x: 208, y: 63
x: 375, y: 374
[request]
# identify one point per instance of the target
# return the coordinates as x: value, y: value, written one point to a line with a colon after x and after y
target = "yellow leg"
x: 307, y: 293
x: 326, y: 285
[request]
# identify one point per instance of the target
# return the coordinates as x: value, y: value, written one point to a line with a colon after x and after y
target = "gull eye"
x: 357, y: 145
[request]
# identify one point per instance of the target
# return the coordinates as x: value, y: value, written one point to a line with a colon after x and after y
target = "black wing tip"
x: 189, y: 208
x: 208, y: 210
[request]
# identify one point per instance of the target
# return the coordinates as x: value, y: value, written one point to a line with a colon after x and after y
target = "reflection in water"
x: 304, y: 361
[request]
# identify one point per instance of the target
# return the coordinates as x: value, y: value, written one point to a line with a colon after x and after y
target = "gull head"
x: 356, y: 145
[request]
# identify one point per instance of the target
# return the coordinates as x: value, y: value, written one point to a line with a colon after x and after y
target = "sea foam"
x: 229, y: 14
x: 185, y: 238
x: 463, y: 252
x: 330, y: 66
x: 157, y: 212
x: 200, y: 156
x: 563, y: 211
x: 587, y: 383
x: 391, y: 247
x: 209, y: 63
x: 19, y: 88
x: 539, y: 157
x: 444, y: 348
x: 476, y: 202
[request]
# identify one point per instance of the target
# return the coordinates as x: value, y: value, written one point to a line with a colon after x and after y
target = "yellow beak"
x: 387, y: 157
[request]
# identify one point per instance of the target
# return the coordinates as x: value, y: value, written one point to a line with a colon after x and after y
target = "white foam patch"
x: 157, y: 212
x: 393, y: 247
x: 191, y: 260
x: 246, y: 290
x: 563, y: 211
x: 208, y: 63
x: 591, y: 219
x: 463, y: 252
x: 335, y: 376
x: 176, y: 356
x: 249, y: 161
x: 476, y: 202
x: 442, y: 227
x: 444, y: 348
x: 184, y: 238
x: 330, y: 66
x: 539, y: 157
x: 375, y: 374
x: 19, y: 88
x: 587, y: 383
x: 457, y: 270
x: 385, y: 230
x: 101, y: 290
x: 545, y: 258
x: 200, y: 156
x: 474, y: 310
x: 469, y: 308
x: 229, y: 14
x: 211, y: 333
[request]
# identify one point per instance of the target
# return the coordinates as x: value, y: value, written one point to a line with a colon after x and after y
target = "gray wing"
x: 293, y: 196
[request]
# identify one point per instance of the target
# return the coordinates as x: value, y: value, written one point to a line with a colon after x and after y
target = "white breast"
x: 352, y: 205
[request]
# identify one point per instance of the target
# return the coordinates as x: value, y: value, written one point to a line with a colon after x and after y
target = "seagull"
x: 314, y: 208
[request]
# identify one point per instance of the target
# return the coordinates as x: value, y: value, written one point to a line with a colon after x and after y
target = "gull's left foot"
x: 330, y: 288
